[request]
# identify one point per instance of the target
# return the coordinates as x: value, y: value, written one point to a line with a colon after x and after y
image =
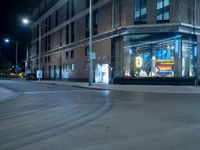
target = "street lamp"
x: 26, y: 21
x: 7, y: 40
x: 90, y: 46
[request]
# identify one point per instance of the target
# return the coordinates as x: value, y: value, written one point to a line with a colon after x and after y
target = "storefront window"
x: 155, y: 60
x: 159, y: 57
x: 189, y: 58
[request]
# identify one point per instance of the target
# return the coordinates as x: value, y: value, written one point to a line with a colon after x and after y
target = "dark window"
x: 87, y: 3
x: 67, y: 55
x: 72, y: 32
x: 56, y: 18
x: 72, y: 54
x: 86, y: 51
x: 46, y: 43
x: 37, y: 47
x: 49, y: 23
x: 46, y: 24
x: 49, y: 72
x: 49, y: 42
x: 72, y: 8
x: 60, y: 32
x: 67, y: 34
x: 37, y: 30
x: 45, y: 59
x: 95, y: 21
x: 67, y: 10
x: 49, y: 59
x: 140, y: 11
x: 163, y: 10
x: 87, y: 26
x: 95, y: 1
x: 37, y: 61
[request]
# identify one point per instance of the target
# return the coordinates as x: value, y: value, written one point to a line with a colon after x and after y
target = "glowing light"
x: 25, y: 21
x: 138, y: 62
x: 7, y: 40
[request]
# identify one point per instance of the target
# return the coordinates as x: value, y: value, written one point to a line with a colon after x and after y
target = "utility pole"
x: 16, y: 54
x: 90, y: 46
x: 39, y: 53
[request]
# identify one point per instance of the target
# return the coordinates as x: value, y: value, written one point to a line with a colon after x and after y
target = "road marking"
x: 50, y: 92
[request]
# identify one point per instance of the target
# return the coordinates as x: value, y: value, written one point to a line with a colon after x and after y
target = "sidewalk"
x: 5, y: 93
x: 132, y: 88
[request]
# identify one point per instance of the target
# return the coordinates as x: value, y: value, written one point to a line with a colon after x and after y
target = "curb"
x: 9, y: 94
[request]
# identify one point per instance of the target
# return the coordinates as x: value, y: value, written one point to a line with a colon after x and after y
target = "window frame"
x: 163, y: 11
x: 141, y: 20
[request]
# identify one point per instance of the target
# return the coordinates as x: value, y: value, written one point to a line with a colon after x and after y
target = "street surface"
x: 45, y: 116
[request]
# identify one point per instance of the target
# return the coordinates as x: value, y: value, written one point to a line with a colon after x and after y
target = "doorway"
x: 102, y: 73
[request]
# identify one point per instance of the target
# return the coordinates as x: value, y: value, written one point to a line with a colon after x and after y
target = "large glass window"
x: 163, y: 10
x: 140, y: 11
x: 153, y: 60
x: 189, y: 57
x: 158, y: 55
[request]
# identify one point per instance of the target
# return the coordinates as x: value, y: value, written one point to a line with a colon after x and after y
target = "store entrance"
x: 102, y: 73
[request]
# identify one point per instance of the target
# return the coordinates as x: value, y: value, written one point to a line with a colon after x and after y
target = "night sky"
x: 11, y: 13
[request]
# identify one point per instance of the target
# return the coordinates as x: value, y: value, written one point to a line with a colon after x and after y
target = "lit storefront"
x: 102, y: 73
x: 159, y: 55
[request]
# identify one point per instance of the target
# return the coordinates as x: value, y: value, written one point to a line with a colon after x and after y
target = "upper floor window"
x: 72, y: 54
x: 56, y: 18
x: 95, y: 22
x: 67, y: 34
x: 87, y: 26
x: 87, y: 3
x: 67, y: 10
x: 72, y: 8
x: 72, y: 32
x: 163, y: 10
x: 67, y: 55
x: 86, y: 51
x: 49, y: 59
x: 140, y: 11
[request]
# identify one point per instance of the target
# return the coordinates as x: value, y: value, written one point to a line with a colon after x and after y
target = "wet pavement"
x: 61, y: 117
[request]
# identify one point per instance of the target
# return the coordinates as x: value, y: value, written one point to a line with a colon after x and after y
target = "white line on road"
x: 49, y: 92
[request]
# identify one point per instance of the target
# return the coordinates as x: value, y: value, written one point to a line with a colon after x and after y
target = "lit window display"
x: 164, y: 57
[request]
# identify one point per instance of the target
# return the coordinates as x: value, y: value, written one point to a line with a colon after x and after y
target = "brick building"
x: 131, y: 39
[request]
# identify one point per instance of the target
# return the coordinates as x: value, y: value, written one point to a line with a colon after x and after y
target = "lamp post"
x: 26, y: 21
x: 16, y: 53
x: 39, y: 71
x: 39, y: 54
x: 90, y: 46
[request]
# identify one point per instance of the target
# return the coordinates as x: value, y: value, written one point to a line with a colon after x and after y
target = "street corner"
x: 5, y: 94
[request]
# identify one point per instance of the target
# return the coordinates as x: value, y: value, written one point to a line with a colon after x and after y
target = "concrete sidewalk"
x: 5, y: 93
x: 132, y: 88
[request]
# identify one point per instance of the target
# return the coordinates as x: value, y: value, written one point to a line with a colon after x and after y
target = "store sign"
x: 165, y: 62
x: 92, y: 55
x: 165, y: 67
x: 138, y: 61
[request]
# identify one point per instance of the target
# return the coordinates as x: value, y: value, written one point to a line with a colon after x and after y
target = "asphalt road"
x: 51, y: 117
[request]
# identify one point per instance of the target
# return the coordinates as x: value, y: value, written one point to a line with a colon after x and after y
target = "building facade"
x: 131, y: 39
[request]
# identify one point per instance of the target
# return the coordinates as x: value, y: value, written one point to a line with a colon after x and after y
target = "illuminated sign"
x: 138, y: 62
x: 165, y: 67
x: 165, y: 62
